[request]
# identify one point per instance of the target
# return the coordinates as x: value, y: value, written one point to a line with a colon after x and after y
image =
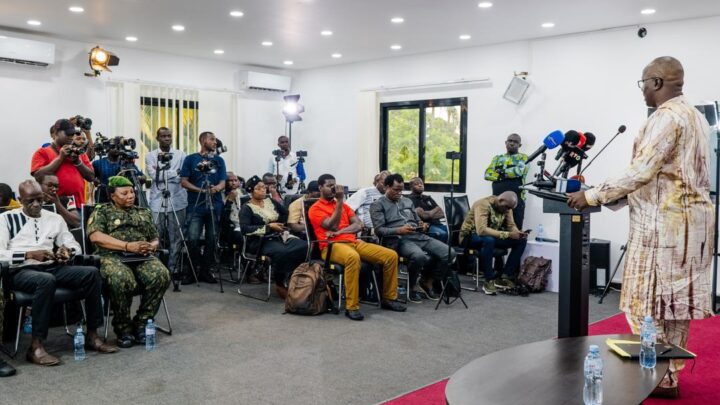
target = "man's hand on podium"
x: 577, y: 200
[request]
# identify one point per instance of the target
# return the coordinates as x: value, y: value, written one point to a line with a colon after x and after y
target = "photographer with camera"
x: 203, y: 176
x: 84, y: 139
x: 507, y: 173
x: 65, y: 160
x: 120, y: 157
x: 283, y: 165
x: 168, y: 199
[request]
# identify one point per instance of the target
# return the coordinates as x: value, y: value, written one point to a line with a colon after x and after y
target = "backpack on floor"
x: 308, y: 292
x: 534, y: 273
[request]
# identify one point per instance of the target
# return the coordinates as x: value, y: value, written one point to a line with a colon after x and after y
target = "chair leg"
x: 246, y: 268
x: 340, y: 293
x: 67, y: 329
x: 269, y: 282
x: 169, y: 329
x: 107, y: 319
x: 476, y: 259
x: 377, y: 287
x: 17, y: 334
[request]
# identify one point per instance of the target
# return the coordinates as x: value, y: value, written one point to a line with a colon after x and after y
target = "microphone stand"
x: 601, y: 150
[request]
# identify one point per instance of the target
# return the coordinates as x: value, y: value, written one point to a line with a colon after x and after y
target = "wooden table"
x: 551, y: 372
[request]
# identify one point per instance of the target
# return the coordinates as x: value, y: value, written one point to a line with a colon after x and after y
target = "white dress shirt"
x: 177, y: 192
x: 287, y: 165
x: 20, y: 234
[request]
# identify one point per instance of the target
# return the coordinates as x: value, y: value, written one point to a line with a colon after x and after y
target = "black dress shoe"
x: 140, y: 336
x: 355, y: 315
x: 125, y: 340
x: 207, y: 277
x: 6, y: 370
x: 393, y: 306
x: 187, y: 279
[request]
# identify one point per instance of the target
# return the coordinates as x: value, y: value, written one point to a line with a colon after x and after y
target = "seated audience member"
x: 39, y: 247
x: 263, y: 217
x: 428, y: 210
x: 490, y: 225
x: 334, y: 220
x: 272, y: 187
x: 295, y: 221
x: 63, y: 159
x: 122, y: 227
x: 64, y: 206
x: 362, y: 199
x: 395, y: 215
x: 110, y: 166
x: 7, y: 198
x: 234, y: 187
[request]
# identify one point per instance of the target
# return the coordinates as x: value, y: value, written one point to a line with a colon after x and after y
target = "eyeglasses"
x: 641, y: 83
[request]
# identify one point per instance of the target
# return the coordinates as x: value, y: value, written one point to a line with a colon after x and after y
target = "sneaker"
x: 489, y: 288
x: 416, y: 297
x: 427, y: 292
x: 504, y: 284
x: 354, y: 314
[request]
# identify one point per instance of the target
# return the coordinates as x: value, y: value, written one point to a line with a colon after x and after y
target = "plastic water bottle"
x: 27, y: 325
x: 648, y: 338
x: 150, y: 336
x: 540, y: 232
x: 593, y: 372
x: 401, y: 291
x: 79, y: 343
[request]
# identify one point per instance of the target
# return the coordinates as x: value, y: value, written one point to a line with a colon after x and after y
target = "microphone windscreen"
x: 573, y: 186
x: 572, y: 137
x: 622, y: 129
x: 554, y: 139
x: 589, y: 140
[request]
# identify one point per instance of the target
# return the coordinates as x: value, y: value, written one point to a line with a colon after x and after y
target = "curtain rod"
x: 173, y: 85
x: 408, y: 86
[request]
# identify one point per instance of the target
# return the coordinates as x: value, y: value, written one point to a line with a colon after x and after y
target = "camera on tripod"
x: 220, y: 148
x: 207, y: 166
x: 83, y: 122
x: 301, y: 155
x: 453, y: 155
x: 279, y: 154
x: 125, y: 147
x: 164, y: 157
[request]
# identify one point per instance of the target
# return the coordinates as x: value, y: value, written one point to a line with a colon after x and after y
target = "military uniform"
x: 151, y: 278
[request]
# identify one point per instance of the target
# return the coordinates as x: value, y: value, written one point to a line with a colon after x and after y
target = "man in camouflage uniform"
x: 122, y: 227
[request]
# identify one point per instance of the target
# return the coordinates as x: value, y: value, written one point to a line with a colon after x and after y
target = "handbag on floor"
x: 534, y: 273
x: 308, y: 292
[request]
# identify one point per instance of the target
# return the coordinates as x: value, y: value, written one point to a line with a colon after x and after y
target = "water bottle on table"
x: 150, y: 336
x: 648, y: 339
x: 593, y: 372
x: 79, y: 344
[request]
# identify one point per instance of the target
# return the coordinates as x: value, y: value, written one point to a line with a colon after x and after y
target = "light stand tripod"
x: 167, y: 202
x: 452, y: 156
x: 605, y: 292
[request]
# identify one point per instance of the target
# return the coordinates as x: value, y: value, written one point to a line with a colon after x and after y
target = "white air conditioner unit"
x: 26, y: 52
x: 250, y: 80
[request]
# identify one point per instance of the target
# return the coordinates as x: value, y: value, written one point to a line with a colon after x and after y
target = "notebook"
x: 631, y: 349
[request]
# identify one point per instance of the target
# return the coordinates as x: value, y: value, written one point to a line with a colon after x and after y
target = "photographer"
x: 84, y: 139
x: 117, y: 159
x: 204, y: 173
x: 507, y: 173
x: 283, y: 166
x: 64, y: 160
x: 163, y: 165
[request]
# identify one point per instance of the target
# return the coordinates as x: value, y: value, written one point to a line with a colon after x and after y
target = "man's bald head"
x: 28, y: 187
x: 663, y: 79
x: 31, y: 197
x: 506, y: 201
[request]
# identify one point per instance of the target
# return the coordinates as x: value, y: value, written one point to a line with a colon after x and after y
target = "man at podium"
x: 669, y: 253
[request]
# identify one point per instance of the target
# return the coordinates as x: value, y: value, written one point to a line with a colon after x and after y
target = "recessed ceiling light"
x: 34, y: 22
x: 3, y: 37
x: 218, y: 52
x: 236, y: 13
x: 131, y: 39
x: 267, y: 43
x: 464, y: 37
x: 547, y: 25
x: 287, y: 62
x: 326, y: 33
x: 485, y: 4
x: 396, y: 47
x: 178, y: 27
x: 76, y: 9
x: 336, y: 55
x: 648, y: 11
x: 397, y: 20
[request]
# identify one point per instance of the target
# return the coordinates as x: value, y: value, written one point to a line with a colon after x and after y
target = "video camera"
x: 278, y: 153
x: 84, y: 123
x: 125, y: 147
x: 164, y: 157
x: 220, y: 148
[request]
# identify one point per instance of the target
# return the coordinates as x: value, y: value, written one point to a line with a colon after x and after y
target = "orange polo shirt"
x: 324, y: 209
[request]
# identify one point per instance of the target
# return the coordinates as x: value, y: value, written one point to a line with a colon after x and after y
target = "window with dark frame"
x: 415, y: 136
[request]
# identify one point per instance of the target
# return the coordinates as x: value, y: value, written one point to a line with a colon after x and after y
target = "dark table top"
x: 551, y: 372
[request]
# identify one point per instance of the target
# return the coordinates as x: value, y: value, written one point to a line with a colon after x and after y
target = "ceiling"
x: 362, y: 29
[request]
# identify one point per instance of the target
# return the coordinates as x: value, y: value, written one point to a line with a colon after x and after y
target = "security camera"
x: 642, y: 32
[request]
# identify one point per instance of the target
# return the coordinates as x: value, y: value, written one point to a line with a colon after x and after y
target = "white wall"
x: 584, y: 82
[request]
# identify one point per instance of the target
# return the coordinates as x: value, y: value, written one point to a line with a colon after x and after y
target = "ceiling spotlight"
x: 465, y: 37
x: 267, y: 43
x: 292, y: 109
x: 396, y: 47
x: 336, y: 55
x: 397, y: 20
x: 34, y: 22
x: 326, y: 33
x: 131, y: 39
x: 76, y: 9
x: 236, y: 13
x: 547, y: 25
x: 178, y: 28
x: 218, y: 52
x: 485, y: 4
x: 100, y: 59
x: 288, y: 62
x: 648, y: 11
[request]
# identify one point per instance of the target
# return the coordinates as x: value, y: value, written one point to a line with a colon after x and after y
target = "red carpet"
x: 700, y: 387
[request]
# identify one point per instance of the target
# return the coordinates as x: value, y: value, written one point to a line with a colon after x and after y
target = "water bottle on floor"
x: 150, y: 336
x: 540, y: 232
x: 79, y: 343
x: 593, y: 372
x: 648, y: 338
x: 27, y: 325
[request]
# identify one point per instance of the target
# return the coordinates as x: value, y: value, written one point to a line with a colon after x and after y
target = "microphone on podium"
x: 620, y: 130
x: 552, y: 141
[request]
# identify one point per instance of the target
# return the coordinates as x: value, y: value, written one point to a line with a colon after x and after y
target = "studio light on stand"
x: 99, y: 60
x: 292, y: 111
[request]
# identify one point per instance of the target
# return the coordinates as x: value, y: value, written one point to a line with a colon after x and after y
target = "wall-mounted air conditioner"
x: 250, y: 80
x: 26, y: 52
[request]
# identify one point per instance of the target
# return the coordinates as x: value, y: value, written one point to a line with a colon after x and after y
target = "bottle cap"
x: 648, y: 318
x: 594, y: 349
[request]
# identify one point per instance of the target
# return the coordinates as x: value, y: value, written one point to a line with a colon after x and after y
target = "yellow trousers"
x: 350, y: 256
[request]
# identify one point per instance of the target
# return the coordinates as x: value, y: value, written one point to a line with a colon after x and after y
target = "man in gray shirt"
x: 396, y: 222
x: 162, y: 171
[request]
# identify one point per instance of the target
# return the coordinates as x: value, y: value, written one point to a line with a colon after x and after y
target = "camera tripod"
x: 167, y: 202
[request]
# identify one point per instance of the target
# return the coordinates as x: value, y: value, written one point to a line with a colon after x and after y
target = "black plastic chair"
x: 252, y: 260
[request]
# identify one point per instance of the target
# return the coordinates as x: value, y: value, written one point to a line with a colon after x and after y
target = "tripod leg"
x: 617, y: 266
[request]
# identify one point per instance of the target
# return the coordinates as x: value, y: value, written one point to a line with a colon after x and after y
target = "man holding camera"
x: 111, y: 165
x: 66, y: 161
x: 164, y: 165
x: 283, y: 165
x: 507, y: 173
x: 203, y: 176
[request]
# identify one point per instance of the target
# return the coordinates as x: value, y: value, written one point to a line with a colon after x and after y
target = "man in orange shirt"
x: 334, y: 220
